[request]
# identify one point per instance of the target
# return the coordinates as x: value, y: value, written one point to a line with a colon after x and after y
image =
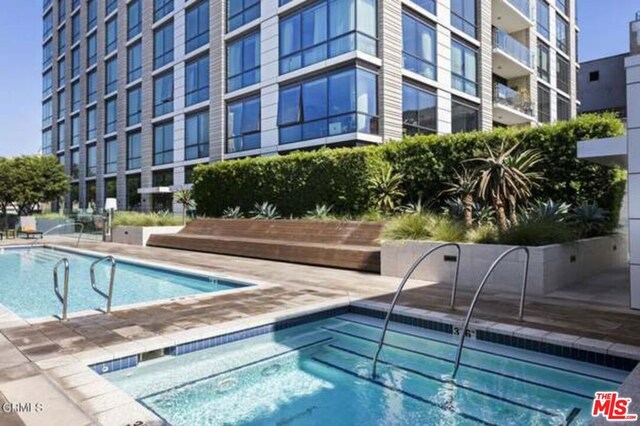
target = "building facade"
x: 602, y: 85
x: 138, y: 92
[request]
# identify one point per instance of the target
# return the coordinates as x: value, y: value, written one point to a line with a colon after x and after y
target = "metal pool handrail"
x: 63, y: 298
x: 63, y: 225
x: 401, y: 286
x: 475, y: 298
x: 92, y: 272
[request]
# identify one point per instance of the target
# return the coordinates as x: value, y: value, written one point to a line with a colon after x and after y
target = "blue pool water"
x: 26, y: 282
x: 320, y: 373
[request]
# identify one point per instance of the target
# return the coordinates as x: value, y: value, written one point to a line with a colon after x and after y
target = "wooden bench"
x: 349, y: 245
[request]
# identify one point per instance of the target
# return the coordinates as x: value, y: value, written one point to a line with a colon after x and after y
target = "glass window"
x: 163, y: 45
x: 75, y: 28
x: 464, y: 117
x: 429, y: 5
x: 62, y: 72
x: 62, y: 104
x: 62, y: 40
x: 188, y: 174
x: 196, y: 144
x: 464, y: 68
x: 542, y: 16
x: 47, y: 25
x: 111, y: 156
x: 47, y: 54
x: 134, y: 182
x: 325, y: 30
x: 62, y: 135
x: 134, y: 62
x: 563, y: 110
x: 134, y: 19
x: 544, y: 104
x: 342, y: 102
x: 75, y: 164
x: 92, y: 50
x: 162, y: 8
x: 162, y: 202
x: 134, y: 106
x: 92, y: 87
x: 243, y: 62
x: 197, y: 23
x: 240, y: 12
x: 162, y: 178
x: 75, y: 62
x: 563, y: 6
x: 92, y: 14
x: 163, y: 94
x: 62, y: 11
x: 111, y: 41
x: 563, y: 74
x: 75, y: 96
x: 75, y: 130
x: 243, y: 125
x: 47, y: 84
x: 419, y: 111
x: 463, y: 16
x: 543, y: 61
x: 91, y: 124
x: 91, y: 161
x: 163, y: 143
x: 111, y: 188
x: 111, y: 115
x: 111, y: 6
x: 46, y: 142
x: 562, y: 34
x: 47, y: 113
x: 75, y: 4
x: 134, y: 151
x: 111, y: 75
x: 197, y: 81
x: 418, y: 46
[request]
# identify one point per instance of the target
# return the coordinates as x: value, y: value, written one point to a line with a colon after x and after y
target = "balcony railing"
x: 518, y: 100
x: 512, y: 47
x: 523, y: 6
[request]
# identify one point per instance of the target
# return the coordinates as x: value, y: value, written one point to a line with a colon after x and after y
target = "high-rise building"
x: 138, y: 92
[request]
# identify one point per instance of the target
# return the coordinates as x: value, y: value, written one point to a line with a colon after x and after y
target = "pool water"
x: 26, y: 282
x: 320, y: 373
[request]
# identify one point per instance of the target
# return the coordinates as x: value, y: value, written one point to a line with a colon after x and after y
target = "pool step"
x: 465, y: 402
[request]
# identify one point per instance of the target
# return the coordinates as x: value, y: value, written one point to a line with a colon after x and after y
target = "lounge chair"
x: 28, y: 227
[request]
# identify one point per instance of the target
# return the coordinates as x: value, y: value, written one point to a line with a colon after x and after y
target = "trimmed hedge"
x: 295, y: 183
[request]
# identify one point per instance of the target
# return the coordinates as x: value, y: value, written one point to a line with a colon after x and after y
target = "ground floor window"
x: 134, y: 201
x: 419, y: 111
x: 111, y: 188
x: 465, y: 117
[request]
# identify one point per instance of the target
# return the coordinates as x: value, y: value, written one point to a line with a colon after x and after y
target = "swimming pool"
x: 26, y: 282
x: 320, y: 373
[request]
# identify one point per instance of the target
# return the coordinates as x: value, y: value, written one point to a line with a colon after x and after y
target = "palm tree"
x: 506, y: 179
x: 184, y: 197
x: 385, y: 186
x: 464, y: 186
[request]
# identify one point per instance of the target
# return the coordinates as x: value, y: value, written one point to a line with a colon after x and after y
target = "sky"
x: 604, y: 31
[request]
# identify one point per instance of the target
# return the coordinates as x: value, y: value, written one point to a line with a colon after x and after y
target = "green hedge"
x: 297, y: 182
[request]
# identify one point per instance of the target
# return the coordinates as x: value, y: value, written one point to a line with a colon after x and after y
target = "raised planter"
x: 551, y: 267
x: 139, y: 235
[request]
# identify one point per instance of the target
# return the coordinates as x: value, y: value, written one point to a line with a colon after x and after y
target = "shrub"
x: 123, y: 218
x: 483, y: 234
x: 537, y: 233
x: 409, y: 227
x: 448, y: 230
x: 51, y: 216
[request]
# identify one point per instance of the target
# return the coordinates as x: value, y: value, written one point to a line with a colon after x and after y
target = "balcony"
x: 511, y: 107
x: 511, y: 58
x: 511, y: 15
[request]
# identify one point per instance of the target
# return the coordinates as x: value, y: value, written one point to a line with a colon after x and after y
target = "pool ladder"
x: 64, y: 296
x: 474, y: 301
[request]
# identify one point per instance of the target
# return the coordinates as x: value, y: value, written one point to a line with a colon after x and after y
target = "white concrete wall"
x: 139, y: 235
x: 633, y: 149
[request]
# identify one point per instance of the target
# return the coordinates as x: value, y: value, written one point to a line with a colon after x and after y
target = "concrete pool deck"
x: 46, y: 362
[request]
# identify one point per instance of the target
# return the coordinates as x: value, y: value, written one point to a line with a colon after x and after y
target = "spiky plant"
x: 525, y: 162
x: 320, y: 212
x: 464, y: 186
x: 232, y: 213
x: 415, y: 208
x: 590, y: 219
x: 385, y: 186
x: 548, y: 211
x: 184, y: 197
x: 265, y: 210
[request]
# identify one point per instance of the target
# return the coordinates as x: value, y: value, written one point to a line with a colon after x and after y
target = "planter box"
x: 139, y: 235
x: 550, y: 267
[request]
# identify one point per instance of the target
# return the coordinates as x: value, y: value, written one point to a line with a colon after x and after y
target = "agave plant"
x: 549, y: 211
x: 265, y: 210
x: 454, y: 208
x: 590, y: 219
x: 232, y: 213
x: 483, y: 215
x: 385, y: 187
x: 321, y: 211
x: 184, y: 197
x: 464, y: 186
x: 415, y: 208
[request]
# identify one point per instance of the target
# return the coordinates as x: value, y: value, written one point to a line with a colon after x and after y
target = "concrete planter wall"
x: 138, y: 235
x: 551, y: 267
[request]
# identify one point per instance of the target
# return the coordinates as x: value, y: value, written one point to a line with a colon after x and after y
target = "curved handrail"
x: 64, y: 299
x: 475, y: 299
x: 62, y: 225
x: 92, y: 273
x: 401, y: 286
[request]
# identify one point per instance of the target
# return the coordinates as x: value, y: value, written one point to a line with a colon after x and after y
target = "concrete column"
x: 485, y: 64
x: 147, y: 101
x: 632, y: 64
x: 217, y: 79
x: 390, y: 77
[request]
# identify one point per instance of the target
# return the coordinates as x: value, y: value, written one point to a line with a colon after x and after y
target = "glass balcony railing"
x: 512, y: 47
x: 518, y: 100
x: 523, y: 6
